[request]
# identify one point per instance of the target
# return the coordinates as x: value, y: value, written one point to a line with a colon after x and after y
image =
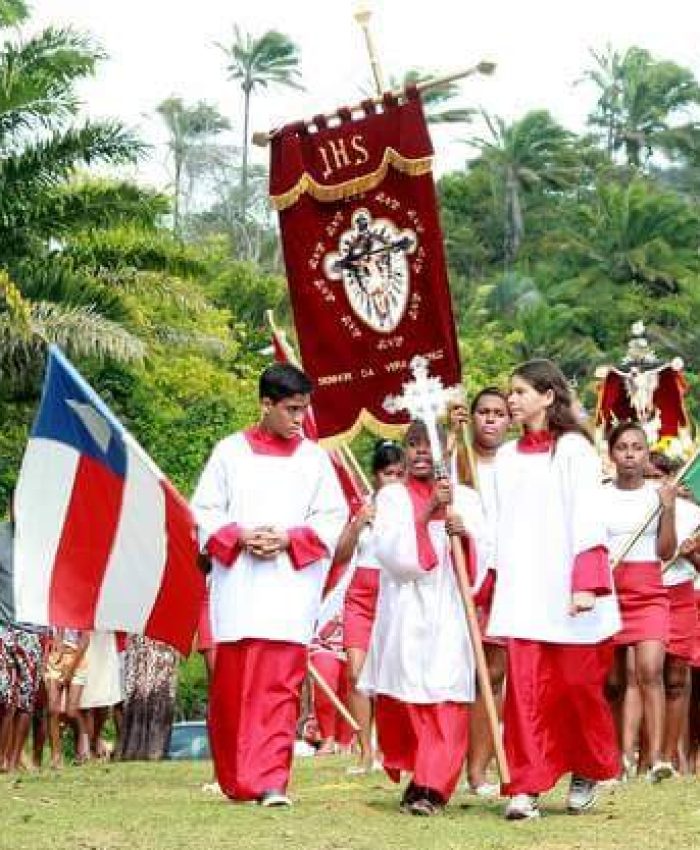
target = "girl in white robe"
x: 553, y: 598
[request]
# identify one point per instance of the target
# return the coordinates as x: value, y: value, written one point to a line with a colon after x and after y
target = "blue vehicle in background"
x: 189, y: 740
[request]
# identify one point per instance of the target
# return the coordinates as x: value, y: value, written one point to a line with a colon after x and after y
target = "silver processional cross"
x: 426, y: 399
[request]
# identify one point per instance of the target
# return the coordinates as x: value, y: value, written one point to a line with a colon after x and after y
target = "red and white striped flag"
x: 102, y: 539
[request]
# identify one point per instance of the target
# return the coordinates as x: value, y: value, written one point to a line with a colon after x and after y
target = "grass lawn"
x: 161, y: 807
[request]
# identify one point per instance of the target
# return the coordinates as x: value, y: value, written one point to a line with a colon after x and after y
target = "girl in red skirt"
x: 361, y: 597
x: 678, y: 577
x: 643, y: 599
x: 692, y: 547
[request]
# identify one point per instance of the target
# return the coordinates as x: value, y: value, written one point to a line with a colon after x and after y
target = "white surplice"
x: 268, y: 599
x: 548, y: 511
x: 420, y: 650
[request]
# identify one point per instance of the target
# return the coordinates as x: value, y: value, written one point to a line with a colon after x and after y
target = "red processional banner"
x: 364, y: 258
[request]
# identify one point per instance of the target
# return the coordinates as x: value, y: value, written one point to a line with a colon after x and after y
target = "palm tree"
x: 188, y: 127
x: 511, y: 294
x: 553, y: 331
x: 271, y: 59
x: 643, y: 104
x: 633, y: 235
x: 534, y: 153
x: 26, y: 328
x: 40, y: 146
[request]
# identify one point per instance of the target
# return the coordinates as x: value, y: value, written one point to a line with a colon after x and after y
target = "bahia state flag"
x: 102, y: 539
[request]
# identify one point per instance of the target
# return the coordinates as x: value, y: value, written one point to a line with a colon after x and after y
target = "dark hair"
x: 544, y: 375
x: 386, y: 452
x: 282, y: 380
x: 488, y: 391
x: 622, y: 428
x: 418, y: 428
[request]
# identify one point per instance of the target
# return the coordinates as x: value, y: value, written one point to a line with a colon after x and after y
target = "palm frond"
x: 82, y: 332
x: 41, y: 166
x: 37, y: 78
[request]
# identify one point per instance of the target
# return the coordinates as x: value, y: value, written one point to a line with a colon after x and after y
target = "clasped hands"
x: 265, y: 541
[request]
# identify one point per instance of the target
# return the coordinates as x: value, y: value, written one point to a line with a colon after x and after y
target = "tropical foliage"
x: 556, y: 242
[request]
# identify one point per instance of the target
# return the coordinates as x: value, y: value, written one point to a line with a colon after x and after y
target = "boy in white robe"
x: 420, y: 663
x: 270, y: 510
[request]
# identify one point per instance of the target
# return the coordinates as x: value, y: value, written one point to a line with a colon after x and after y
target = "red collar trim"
x: 536, y: 442
x: 421, y: 492
x: 262, y: 442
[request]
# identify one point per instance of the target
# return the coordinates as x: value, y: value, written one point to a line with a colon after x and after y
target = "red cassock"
x: 428, y: 741
x: 253, y: 711
x: 555, y: 716
x: 327, y: 657
x: 695, y: 661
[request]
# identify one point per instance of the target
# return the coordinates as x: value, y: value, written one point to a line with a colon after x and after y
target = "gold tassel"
x: 371, y: 423
x: 326, y: 194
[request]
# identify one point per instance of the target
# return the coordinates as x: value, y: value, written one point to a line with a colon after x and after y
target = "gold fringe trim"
x: 326, y: 194
x: 371, y: 423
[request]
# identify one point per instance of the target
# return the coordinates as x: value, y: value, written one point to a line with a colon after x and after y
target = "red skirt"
x: 695, y: 661
x: 360, y: 608
x: 644, y: 604
x: 683, y: 621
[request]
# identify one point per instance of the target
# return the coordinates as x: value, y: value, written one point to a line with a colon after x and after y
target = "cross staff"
x: 426, y: 399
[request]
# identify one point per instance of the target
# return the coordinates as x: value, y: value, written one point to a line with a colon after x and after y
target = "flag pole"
x: 649, y: 518
x: 677, y: 554
x: 330, y: 693
x: 346, y: 455
x: 262, y: 139
x: 362, y: 16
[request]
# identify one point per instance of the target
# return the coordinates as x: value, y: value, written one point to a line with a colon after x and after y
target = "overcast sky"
x: 159, y: 48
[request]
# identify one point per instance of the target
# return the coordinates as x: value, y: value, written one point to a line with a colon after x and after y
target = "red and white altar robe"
x: 420, y: 663
x: 263, y: 611
x: 551, y: 541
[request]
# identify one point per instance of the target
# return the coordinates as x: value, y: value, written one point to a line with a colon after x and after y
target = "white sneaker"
x: 582, y: 795
x: 486, y: 790
x: 273, y: 799
x: 522, y: 807
x: 303, y: 750
x: 629, y: 769
x: 660, y: 770
x: 212, y: 788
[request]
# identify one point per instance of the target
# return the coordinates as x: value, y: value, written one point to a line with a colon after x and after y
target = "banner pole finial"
x: 362, y: 16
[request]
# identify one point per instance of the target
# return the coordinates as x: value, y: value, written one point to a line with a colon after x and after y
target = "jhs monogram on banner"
x: 336, y: 156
